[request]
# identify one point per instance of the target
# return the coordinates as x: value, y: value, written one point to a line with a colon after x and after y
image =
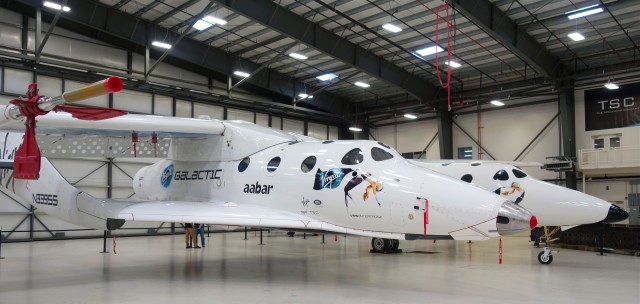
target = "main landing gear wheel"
x: 545, y: 257
x: 395, y: 245
x: 380, y: 245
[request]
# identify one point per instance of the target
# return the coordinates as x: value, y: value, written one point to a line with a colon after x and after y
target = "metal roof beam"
x: 175, y: 10
x: 281, y: 20
x: 498, y: 25
x: 118, y: 28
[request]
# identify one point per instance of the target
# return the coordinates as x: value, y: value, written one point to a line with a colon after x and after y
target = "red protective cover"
x: 91, y: 113
x: 26, y: 164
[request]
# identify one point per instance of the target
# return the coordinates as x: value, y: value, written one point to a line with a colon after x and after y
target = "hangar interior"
x: 517, y: 77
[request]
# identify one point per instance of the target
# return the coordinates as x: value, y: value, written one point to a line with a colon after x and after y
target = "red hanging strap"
x: 114, y: 244
x: 154, y: 141
x: 426, y: 215
x: 134, y: 140
x: 500, y: 252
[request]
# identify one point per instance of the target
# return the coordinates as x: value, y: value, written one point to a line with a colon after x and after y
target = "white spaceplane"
x: 553, y: 205
x: 239, y: 173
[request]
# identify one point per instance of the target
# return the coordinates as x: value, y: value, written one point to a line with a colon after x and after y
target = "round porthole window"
x: 244, y: 164
x: 353, y: 157
x: 273, y: 164
x: 308, y: 164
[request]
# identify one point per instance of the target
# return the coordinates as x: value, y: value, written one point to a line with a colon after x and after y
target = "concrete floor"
x: 294, y: 270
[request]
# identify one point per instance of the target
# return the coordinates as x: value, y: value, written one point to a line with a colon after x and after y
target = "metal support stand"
x: 304, y: 235
x: 245, y: 233
x: 261, y: 237
x: 1, y: 257
x: 104, y: 242
x: 208, y: 230
x: 323, y: 238
x: 604, y: 226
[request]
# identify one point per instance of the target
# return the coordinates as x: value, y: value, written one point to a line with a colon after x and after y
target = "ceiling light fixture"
x: 298, y: 56
x: 161, y: 44
x: 611, y: 86
x: 496, y: 102
x: 56, y: 6
x: 326, y: 77
x: 303, y: 96
x: 355, y: 128
x: 208, y: 22
x: 390, y: 27
x: 429, y: 51
x: 576, y: 36
x: 585, y: 11
x: 362, y: 84
x: 241, y: 73
x: 453, y: 64
x: 410, y: 116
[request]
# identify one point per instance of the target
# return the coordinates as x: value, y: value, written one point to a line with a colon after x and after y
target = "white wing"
x: 145, y: 125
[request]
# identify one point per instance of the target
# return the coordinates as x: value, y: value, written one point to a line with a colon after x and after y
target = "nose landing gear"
x: 546, y: 256
x: 379, y: 245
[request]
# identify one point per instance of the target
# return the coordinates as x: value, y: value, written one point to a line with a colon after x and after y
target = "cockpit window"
x: 379, y: 155
x: 308, y: 164
x: 467, y: 178
x: 501, y: 175
x: 353, y: 157
x: 244, y: 164
x: 518, y: 173
x: 273, y: 164
x: 327, y: 142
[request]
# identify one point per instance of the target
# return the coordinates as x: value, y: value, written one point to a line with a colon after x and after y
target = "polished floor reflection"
x: 296, y: 270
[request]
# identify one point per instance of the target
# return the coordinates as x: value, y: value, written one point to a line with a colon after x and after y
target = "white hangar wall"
x: 504, y: 133
x: 410, y: 137
x: 614, y: 190
x: 91, y: 174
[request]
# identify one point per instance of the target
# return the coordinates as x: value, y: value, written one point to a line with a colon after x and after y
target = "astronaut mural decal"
x: 332, y: 179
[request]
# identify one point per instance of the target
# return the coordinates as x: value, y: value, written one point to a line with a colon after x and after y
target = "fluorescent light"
x: 328, y: 76
x: 497, y: 102
x: 453, y: 64
x: 576, y: 36
x: 585, y: 11
x: 429, y: 51
x: 161, y: 44
x: 362, y: 84
x: 611, y: 86
x: 56, y: 6
x: 241, y: 74
x: 215, y: 20
x: 208, y: 22
x: 202, y: 25
x: 390, y: 27
x: 410, y: 116
x: 468, y: 151
x: 303, y: 96
x: 355, y: 129
x: 298, y: 56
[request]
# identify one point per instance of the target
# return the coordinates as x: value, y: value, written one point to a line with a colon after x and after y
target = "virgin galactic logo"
x: 167, y: 176
x: 329, y: 179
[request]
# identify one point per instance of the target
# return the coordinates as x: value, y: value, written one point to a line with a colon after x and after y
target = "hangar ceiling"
x: 506, y: 49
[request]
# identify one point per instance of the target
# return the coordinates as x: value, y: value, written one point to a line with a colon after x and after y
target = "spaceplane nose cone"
x: 616, y: 214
